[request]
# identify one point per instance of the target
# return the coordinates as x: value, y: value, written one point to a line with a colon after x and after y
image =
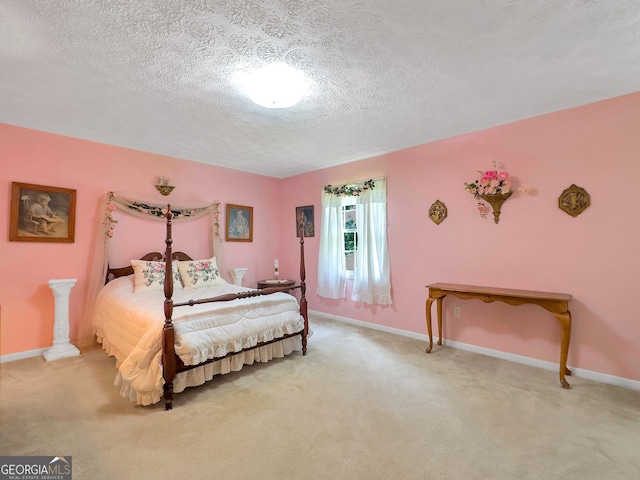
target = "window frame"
x: 349, y: 206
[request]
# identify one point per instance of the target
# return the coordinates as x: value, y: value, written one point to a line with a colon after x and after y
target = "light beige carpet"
x: 362, y: 404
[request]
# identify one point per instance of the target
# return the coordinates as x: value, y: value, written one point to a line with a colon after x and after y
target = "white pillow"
x: 149, y: 276
x: 200, y: 273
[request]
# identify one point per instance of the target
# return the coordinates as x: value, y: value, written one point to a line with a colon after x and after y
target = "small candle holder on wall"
x: 165, y: 186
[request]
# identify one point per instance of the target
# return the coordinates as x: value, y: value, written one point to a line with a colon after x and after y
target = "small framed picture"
x: 239, y: 223
x: 306, y: 213
x: 42, y: 214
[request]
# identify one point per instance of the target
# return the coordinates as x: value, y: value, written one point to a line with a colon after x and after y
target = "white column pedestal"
x: 237, y: 274
x: 62, y: 347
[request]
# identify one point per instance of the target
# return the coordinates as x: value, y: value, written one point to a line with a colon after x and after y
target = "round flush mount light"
x: 274, y: 86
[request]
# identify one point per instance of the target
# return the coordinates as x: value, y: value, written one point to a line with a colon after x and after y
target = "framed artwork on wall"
x: 42, y: 214
x: 307, y: 214
x: 239, y: 223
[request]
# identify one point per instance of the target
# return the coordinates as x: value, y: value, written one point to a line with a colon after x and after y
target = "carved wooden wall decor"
x: 574, y: 200
x: 438, y: 212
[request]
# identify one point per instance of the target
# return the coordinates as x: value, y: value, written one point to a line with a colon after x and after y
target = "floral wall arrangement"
x: 494, y: 187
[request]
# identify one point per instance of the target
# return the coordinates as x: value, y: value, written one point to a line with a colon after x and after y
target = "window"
x: 353, y: 243
x: 350, y: 238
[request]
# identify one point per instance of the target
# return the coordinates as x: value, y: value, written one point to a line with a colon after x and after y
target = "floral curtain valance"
x: 350, y: 189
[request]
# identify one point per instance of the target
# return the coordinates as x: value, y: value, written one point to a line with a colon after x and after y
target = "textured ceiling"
x: 155, y: 75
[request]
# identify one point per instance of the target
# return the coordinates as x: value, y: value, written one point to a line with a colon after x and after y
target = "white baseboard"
x: 21, y: 355
x: 533, y: 362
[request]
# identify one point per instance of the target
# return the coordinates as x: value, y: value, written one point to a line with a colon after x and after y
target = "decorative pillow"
x: 150, y: 275
x: 200, y: 273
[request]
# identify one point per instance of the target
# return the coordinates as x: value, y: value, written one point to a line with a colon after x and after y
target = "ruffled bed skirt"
x: 199, y: 375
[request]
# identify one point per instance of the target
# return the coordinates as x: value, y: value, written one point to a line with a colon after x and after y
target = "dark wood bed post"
x: 168, y: 334
x: 303, y: 289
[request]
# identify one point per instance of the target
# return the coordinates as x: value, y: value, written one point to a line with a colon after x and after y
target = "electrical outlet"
x: 456, y: 311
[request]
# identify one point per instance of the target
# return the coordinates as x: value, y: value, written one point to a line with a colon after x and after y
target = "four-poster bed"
x: 218, y: 332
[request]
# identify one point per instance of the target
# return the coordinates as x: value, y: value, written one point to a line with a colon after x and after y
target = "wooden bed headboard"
x: 113, y: 273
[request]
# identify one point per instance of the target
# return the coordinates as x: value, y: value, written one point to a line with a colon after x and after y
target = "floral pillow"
x: 149, y: 276
x: 200, y: 273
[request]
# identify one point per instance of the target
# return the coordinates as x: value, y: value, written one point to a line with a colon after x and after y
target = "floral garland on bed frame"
x: 157, y: 212
x: 106, y: 223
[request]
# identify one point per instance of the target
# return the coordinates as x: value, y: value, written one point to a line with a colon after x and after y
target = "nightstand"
x: 276, y: 283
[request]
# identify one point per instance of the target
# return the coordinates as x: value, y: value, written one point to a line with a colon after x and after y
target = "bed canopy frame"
x: 171, y: 362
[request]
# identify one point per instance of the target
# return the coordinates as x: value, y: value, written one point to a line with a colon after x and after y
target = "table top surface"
x: 505, y: 292
x: 277, y: 282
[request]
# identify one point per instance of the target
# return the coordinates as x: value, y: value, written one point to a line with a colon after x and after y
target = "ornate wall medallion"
x: 438, y: 212
x: 574, y: 200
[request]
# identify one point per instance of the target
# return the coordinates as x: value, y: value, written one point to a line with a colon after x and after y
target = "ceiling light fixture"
x: 274, y: 86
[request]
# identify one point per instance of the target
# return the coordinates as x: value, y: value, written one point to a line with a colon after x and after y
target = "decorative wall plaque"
x: 438, y: 212
x: 574, y: 200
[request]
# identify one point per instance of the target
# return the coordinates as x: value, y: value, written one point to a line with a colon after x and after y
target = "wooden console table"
x: 556, y: 303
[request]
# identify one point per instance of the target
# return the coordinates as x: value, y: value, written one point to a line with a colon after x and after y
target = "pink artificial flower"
x: 111, y: 207
x: 110, y: 233
x: 481, y: 207
x: 503, y: 175
x: 491, y: 174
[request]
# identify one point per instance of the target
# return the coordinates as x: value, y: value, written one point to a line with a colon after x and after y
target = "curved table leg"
x: 428, y: 312
x: 565, y: 323
x: 439, y: 310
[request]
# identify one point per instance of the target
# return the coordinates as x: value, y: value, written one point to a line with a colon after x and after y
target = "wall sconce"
x: 165, y: 186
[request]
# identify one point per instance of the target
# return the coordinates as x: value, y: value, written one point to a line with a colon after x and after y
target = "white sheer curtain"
x: 332, y: 268
x: 372, y: 282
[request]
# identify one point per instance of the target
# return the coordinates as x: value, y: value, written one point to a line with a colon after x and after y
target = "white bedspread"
x: 129, y: 326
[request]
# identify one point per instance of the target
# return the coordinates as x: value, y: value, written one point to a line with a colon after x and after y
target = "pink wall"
x: 28, y: 156
x: 536, y: 246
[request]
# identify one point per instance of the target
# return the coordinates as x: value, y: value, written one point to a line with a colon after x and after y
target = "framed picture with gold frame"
x: 305, y: 213
x: 239, y: 223
x: 42, y: 214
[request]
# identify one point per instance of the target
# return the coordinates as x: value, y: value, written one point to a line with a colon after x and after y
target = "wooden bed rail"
x: 171, y: 363
x: 233, y: 296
